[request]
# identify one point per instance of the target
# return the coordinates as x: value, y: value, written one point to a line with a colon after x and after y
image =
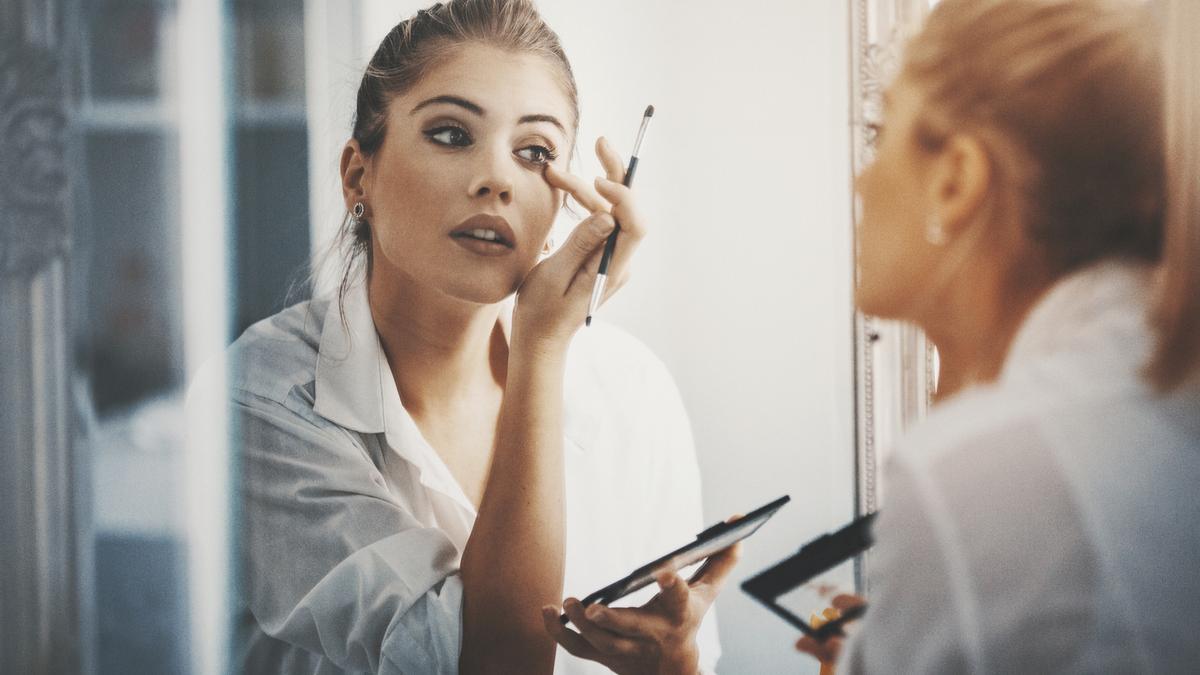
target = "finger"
x: 585, y: 240
x: 847, y: 601
x: 602, y: 639
x: 673, y: 595
x: 825, y: 652
x: 717, y: 570
x: 699, y: 574
x: 577, y: 187
x: 610, y: 159
x: 630, y: 622
x: 585, y: 276
x: 569, y: 639
x: 632, y: 232
x: 623, y: 206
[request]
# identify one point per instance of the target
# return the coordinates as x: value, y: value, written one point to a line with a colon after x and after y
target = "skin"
x: 970, y: 293
x: 492, y: 404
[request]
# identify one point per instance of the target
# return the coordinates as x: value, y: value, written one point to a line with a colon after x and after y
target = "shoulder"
x: 608, y: 355
x: 279, y: 353
x: 619, y: 395
x: 984, y: 478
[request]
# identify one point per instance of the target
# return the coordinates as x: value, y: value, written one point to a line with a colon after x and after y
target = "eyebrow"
x: 477, y: 109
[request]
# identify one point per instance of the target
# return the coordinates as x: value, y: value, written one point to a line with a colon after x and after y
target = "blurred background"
x: 202, y: 141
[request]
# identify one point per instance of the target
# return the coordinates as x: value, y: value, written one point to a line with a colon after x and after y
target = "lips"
x: 486, y: 228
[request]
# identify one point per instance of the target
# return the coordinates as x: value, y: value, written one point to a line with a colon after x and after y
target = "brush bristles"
x: 649, y: 111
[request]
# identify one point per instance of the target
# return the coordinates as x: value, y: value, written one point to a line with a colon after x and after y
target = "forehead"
x: 505, y: 84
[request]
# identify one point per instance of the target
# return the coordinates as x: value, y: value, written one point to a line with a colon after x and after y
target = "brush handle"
x: 611, y: 244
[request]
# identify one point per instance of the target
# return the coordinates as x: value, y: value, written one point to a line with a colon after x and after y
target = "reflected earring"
x: 358, y: 211
x: 549, y: 246
x: 934, y: 232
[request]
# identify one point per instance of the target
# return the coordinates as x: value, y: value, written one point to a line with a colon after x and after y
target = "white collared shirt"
x: 1049, y: 522
x: 353, y: 526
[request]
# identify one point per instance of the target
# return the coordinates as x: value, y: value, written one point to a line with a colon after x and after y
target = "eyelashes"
x: 449, y: 135
x: 455, y: 136
x: 539, y: 154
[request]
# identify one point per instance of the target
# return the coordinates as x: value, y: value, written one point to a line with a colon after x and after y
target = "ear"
x: 354, y: 167
x: 961, y: 180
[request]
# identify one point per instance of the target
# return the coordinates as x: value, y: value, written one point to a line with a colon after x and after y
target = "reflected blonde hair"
x: 1068, y: 95
x: 1177, y: 314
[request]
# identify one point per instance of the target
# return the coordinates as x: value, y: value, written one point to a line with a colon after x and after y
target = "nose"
x: 494, y: 177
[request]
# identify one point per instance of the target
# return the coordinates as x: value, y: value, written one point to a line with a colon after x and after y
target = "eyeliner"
x: 611, y: 244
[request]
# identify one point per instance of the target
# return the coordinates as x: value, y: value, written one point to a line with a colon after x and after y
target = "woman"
x: 425, y: 464
x: 1044, y: 518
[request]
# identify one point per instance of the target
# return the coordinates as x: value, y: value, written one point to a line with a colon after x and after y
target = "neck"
x: 974, y: 327
x: 441, y: 350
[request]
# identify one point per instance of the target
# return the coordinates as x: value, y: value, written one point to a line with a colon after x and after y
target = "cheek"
x: 889, y: 250
x: 539, y: 209
x: 408, y: 199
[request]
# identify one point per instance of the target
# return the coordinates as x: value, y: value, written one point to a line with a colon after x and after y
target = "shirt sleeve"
x: 678, y: 501
x: 332, y: 564
x: 913, y: 624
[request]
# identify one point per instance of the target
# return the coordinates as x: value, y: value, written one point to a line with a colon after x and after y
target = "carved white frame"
x: 895, y: 365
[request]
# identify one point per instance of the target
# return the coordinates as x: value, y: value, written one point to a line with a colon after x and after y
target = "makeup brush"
x: 611, y: 244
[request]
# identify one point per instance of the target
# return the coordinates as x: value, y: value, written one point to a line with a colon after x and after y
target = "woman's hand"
x: 660, y: 636
x: 552, y: 301
x: 827, y: 652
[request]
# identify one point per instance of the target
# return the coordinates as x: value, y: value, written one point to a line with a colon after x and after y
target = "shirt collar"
x: 355, y: 389
x: 348, y: 382
x: 1087, y: 306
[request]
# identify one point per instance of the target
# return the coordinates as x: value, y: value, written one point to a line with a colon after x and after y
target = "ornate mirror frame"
x: 895, y: 366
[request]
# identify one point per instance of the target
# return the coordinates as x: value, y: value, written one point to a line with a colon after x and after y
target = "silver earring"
x: 358, y: 210
x: 934, y: 232
x: 548, y: 247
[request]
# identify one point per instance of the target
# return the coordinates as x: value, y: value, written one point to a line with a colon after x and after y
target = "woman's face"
x: 455, y: 194
x: 895, y: 259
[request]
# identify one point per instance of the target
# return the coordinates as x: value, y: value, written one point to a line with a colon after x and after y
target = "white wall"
x: 744, y: 287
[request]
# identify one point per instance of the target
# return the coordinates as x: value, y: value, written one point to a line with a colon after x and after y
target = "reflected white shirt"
x: 1049, y: 522
x: 353, y: 526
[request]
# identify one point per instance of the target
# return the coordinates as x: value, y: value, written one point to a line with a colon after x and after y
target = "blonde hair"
x: 1069, y: 97
x: 1177, y: 313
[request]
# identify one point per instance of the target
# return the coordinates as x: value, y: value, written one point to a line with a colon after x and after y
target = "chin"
x: 482, y: 289
x: 875, y: 302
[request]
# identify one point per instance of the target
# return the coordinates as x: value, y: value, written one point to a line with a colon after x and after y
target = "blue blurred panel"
x: 141, y: 605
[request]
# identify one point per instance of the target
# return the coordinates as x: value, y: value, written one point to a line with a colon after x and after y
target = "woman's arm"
x: 514, y: 559
x: 513, y: 562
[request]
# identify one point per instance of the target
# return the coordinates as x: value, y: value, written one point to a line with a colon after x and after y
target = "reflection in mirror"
x: 896, y: 367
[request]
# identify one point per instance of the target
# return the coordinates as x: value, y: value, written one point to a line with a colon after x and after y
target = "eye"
x: 452, y: 136
x: 537, y: 154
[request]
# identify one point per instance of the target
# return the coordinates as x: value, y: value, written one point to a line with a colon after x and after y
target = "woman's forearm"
x: 514, y: 558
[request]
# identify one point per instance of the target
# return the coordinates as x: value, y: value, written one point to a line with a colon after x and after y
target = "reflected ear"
x: 354, y: 174
x: 962, y: 177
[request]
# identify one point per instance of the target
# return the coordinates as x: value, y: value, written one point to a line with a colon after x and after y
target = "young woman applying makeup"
x: 425, y: 462
x: 1034, y: 205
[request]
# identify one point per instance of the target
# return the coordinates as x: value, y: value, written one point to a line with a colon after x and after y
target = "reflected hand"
x: 552, y: 300
x: 827, y: 652
x: 657, y: 638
